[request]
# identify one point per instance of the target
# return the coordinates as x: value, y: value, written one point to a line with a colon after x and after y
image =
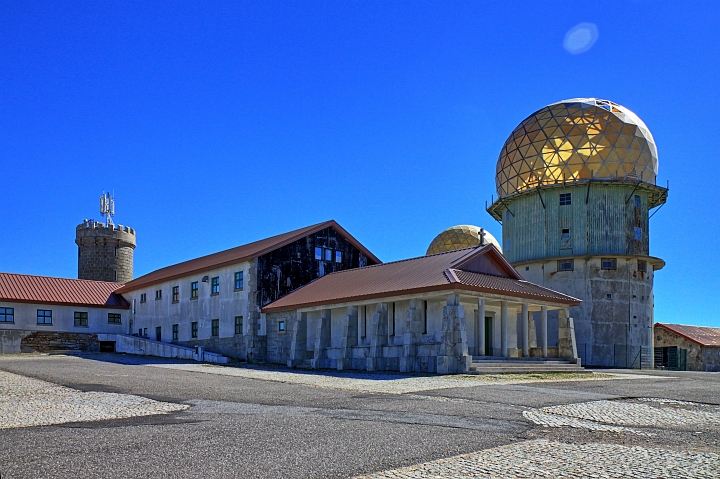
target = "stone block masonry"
x: 105, y: 253
x: 48, y: 341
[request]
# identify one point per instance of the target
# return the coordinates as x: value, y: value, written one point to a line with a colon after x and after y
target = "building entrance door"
x: 488, y: 336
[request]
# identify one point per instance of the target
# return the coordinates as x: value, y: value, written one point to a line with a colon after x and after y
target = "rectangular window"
x: 193, y: 329
x: 638, y: 201
x: 215, y: 285
x: 318, y: 253
x: 114, y: 318
x: 176, y: 331
x: 239, y: 281
x: 608, y: 263
x: 281, y: 326
x: 425, y: 318
x: 338, y: 256
x: 565, y: 199
x: 194, y: 290
x: 158, y: 333
x: 215, y: 326
x: 638, y: 233
x: 391, y: 331
x: 145, y: 332
x: 566, y: 265
x: 158, y: 294
x: 642, y: 266
x: 44, y: 316
x: 238, y: 324
x: 143, y: 297
x: 81, y: 318
x: 175, y: 294
x: 565, y: 238
x: 328, y: 255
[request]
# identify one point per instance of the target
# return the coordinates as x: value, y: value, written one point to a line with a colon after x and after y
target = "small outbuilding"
x: 697, y: 348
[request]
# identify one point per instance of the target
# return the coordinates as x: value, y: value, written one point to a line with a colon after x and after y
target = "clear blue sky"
x: 220, y: 123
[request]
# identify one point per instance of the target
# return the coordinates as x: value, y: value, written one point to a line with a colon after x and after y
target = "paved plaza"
x: 111, y: 415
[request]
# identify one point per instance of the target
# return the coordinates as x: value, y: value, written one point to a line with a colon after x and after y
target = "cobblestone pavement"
x: 548, y: 459
x: 621, y: 416
x: 386, y: 383
x: 30, y: 402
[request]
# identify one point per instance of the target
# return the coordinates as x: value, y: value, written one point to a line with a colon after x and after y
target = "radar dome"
x: 577, y: 139
x: 459, y: 237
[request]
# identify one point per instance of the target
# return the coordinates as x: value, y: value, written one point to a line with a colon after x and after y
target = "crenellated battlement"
x: 105, y: 252
x: 96, y: 225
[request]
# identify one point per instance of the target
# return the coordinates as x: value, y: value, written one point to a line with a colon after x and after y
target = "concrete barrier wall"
x: 148, y: 347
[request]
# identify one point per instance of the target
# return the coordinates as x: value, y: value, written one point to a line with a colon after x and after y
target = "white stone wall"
x: 63, y: 318
x: 224, y: 306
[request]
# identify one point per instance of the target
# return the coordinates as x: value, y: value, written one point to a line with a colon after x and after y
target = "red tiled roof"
x: 702, y: 335
x: 423, y: 274
x: 239, y: 254
x: 24, y: 288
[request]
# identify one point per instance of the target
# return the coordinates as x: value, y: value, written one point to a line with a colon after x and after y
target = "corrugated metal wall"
x: 605, y: 224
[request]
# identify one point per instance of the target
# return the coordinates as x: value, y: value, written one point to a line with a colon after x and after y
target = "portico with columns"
x: 428, y: 314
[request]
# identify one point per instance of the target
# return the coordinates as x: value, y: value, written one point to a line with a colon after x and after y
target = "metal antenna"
x: 107, y: 208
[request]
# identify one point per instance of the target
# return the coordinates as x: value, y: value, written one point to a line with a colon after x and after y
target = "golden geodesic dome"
x: 459, y: 237
x: 577, y: 139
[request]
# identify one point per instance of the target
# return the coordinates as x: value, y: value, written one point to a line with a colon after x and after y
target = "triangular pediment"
x: 487, y: 259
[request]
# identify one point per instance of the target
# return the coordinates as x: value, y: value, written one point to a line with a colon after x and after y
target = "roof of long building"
x: 702, y: 335
x: 481, y: 269
x: 239, y: 254
x: 25, y: 288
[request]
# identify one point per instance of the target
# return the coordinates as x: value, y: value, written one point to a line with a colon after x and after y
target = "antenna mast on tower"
x: 107, y: 208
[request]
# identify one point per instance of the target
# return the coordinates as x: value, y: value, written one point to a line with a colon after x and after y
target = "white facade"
x: 224, y: 306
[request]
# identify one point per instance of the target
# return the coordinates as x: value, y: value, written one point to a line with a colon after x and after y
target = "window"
x: 114, y: 318
x: 328, y: 255
x: 239, y: 281
x: 638, y: 233
x: 238, y: 324
x: 566, y: 265
x: 175, y: 331
x: 392, y: 321
x: 194, y: 290
x: 281, y: 326
x: 507, y: 245
x: 507, y: 215
x: 425, y: 318
x: 609, y: 296
x: 642, y: 266
x: 158, y: 294
x: 638, y: 201
x: 175, y: 294
x: 565, y: 199
x: 527, y: 268
x: 215, y: 285
x: 81, y: 318
x: 44, y: 316
x: 608, y: 263
x: 7, y: 315
x: 143, y: 297
x: 145, y: 332
x: 565, y: 238
x: 215, y: 327
x: 193, y: 329
x: 158, y: 333
x: 318, y: 253
x: 338, y: 256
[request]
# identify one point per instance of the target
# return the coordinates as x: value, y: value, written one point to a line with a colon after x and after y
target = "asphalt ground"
x: 240, y: 427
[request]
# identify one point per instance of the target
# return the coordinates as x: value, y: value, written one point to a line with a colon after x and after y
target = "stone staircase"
x: 499, y: 365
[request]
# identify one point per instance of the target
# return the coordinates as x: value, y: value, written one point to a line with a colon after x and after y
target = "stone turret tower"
x: 105, y: 250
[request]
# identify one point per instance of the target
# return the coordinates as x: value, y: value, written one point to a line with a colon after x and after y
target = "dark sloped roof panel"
x: 26, y: 288
x: 239, y: 254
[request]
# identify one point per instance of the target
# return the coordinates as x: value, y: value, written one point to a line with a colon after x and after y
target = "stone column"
x: 480, y: 329
x: 414, y: 326
x: 567, y: 348
x: 504, y: 328
x: 350, y: 338
x: 378, y: 335
x: 322, y: 339
x: 298, y: 340
x: 525, y: 330
x: 543, y: 330
x: 453, y: 355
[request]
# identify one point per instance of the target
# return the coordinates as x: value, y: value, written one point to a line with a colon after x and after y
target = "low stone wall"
x: 48, y: 341
x: 232, y: 347
x: 10, y: 340
x: 147, y: 347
